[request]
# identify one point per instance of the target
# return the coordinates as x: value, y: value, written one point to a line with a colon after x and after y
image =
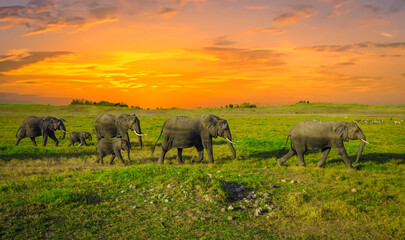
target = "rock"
x: 203, y: 219
x: 231, y: 208
x: 223, y: 210
x: 123, y: 191
x: 177, y: 217
x: 166, y: 208
x: 167, y: 200
x: 258, y: 212
x: 143, y: 193
x: 293, y: 181
x: 219, y: 171
x: 354, y: 190
x: 153, y: 202
x: 230, y: 218
x: 272, y: 186
x: 132, y: 186
x: 134, y: 207
x: 284, y: 180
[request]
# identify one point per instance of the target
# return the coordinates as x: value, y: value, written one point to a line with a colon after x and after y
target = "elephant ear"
x: 122, y: 121
x: 210, y: 122
x: 341, y: 131
x: 46, y: 124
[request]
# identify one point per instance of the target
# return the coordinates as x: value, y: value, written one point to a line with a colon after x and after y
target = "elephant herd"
x: 184, y: 132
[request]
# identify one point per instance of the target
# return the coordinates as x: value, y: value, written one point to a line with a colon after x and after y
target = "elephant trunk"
x: 140, y: 141
x: 361, y: 146
x: 228, y: 137
x: 62, y: 127
x: 90, y: 138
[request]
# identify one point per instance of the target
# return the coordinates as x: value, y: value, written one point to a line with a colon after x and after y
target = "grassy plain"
x: 60, y: 192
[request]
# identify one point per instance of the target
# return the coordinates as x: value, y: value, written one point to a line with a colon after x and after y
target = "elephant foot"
x: 303, y: 165
x: 180, y: 162
x: 280, y: 162
x: 160, y: 162
x: 352, y: 169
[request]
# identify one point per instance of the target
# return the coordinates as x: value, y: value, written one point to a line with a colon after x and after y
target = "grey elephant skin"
x: 79, y: 137
x: 183, y: 132
x: 33, y: 127
x: 313, y: 135
x: 107, y: 146
x: 109, y: 126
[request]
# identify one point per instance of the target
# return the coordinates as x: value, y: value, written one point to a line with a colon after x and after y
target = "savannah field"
x: 61, y: 192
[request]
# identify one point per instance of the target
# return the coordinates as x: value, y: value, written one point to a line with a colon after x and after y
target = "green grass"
x: 60, y: 192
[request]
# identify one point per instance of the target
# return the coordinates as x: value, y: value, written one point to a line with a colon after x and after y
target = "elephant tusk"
x: 64, y: 131
x: 79, y: 145
x: 364, y: 141
x: 139, y: 135
x: 227, y: 139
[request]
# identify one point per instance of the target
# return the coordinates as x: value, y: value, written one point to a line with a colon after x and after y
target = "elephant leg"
x: 162, y: 156
x: 343, y: 154
x: 33, y: 141
x: 207, y: 143
x: 180, y: 156
x: 112, y: 159
x: 325, y: 153
x: 53, y: 137
x: 45, y: 137
x: 18, y: 140
x: 200, y: 151
x: 301, y: 158
x: 283, y: 159
x: 118, y: 154
x: 100, y: 158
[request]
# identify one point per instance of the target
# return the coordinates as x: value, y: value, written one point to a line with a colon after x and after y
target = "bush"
x: 82, y: 101
x: 243, y: 105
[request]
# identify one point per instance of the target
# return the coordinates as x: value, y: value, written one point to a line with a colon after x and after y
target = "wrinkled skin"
x: 79, y: 137
x: 114, y: 146
x: 109, y: 126
x: 33, y: 127
x: 183, y: 132
x: 311, y: 135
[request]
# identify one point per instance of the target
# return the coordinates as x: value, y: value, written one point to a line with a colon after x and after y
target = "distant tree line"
x: 77, y: 101
x: 303, y: 101
x: 243, y: 105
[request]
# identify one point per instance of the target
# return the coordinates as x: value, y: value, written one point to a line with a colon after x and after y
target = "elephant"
x: 314, y: 135
x: 109, y: 125
x: 112, y: 146
x: 36, y: 126
x: 81, y: 137
x: 183, y: 132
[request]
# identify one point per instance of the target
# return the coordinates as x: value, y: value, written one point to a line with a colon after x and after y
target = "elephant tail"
x: 17, y: 132
x: 153, y: 148
x: 286, y: 141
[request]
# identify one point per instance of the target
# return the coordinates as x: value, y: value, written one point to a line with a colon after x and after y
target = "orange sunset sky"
x: 192, y: 53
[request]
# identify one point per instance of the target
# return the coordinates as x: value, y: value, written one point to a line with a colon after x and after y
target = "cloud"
x: 245, y: 58
x: 40, y: 16
x: 258, y: 7
x: 386, y: 35
x: 267, y: 30
x: 344, y: 48
x: 299, y: 13
x: 32, y: 99
x: 12, y: 62
x: 222, y: 41
x: 396, y: 6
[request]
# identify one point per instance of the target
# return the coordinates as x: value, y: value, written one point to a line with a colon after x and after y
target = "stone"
x: 230, y: 218
x: 272, y: 186
x: 230, y: 208
x: 132, y: 186
x: 134, y: 207
x: 123, y: 191
x: 354, y: 190
x: 167, y: 200
x: 258, y: 212
x: 284, y: 180
x: 143, y: 193
x: 166, y: 208
x: 153, y: 202
x: 223, y: 210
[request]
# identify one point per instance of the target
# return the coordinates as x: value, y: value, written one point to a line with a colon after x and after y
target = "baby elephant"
x: 112, y: 146
x: 81, y: 137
